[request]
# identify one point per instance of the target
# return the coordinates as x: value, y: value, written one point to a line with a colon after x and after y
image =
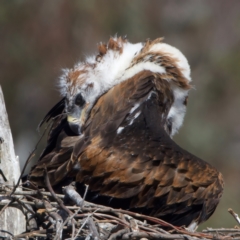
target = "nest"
x: 49, y: 217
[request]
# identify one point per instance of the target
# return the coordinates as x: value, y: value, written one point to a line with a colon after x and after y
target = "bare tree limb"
x: 9, y: 174
x: 235, y: 215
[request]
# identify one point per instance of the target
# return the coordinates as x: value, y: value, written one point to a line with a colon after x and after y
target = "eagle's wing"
x: 127, y: 154
x: 59, y: 147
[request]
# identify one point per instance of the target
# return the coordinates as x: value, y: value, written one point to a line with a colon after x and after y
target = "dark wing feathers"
x: 140, y: 164
x: 54, y: 112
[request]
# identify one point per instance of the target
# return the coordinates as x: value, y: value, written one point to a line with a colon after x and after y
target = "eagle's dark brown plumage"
x: 112, y: 131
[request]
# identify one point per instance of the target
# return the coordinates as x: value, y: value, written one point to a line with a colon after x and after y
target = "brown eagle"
x: 113, y: 131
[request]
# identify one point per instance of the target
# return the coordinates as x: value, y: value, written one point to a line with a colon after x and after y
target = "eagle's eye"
x: 79, y: 100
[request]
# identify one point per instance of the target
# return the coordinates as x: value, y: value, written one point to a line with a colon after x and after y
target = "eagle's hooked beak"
x: 74, y: 124
x: 76, y: 118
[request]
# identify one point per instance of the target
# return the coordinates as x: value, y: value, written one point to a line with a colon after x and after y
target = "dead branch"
x: 9, y: 174
x: 58, y: 200
x: 235, y: 215
x: 70, y: 192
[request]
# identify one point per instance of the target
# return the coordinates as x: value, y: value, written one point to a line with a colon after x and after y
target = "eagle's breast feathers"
x: 113, y: 132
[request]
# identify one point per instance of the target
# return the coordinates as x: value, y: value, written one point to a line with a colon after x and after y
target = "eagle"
x: 112, y: 130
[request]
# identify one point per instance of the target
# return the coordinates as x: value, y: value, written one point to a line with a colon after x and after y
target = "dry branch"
x: 235, y: 215
x: 9, y: 174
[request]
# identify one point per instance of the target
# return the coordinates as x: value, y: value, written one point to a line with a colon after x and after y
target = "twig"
x: 118, y: 234
x: 85, y: 193
x: 73, y: 229
x: 120, y: 221
x: 80, y: 229
x: 133, y: 224
x: 3, y: 176
x: 35, y: 192
x: 221, y: 230
x: 93, y: 229
x: 25, y: 206
x: 59, y: 225
x: 58, y: 200
x: 151, y: 229
x: 31, y: 234
x: 138, y: 235
x: 77, y: 199
x: 9, y: 203
x: 4, y: 231
x: 235, y: 215
x: 1, y: 172
x: 58, y: 219
x: 71, y: 193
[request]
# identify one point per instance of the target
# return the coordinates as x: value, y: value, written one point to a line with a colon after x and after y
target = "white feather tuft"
x: 116, y: 66
x: 182, y: 62
x: 178, y: 109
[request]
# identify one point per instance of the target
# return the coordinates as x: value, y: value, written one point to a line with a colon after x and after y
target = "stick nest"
x: 69, y: 216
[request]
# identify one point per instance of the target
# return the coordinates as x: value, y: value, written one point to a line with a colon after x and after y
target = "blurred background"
x: 39, y: 38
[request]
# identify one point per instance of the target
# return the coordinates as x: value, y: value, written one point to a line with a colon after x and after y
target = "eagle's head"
x: 116, y: 62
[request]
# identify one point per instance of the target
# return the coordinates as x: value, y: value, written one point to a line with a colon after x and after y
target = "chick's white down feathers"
x: 100, y: 73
